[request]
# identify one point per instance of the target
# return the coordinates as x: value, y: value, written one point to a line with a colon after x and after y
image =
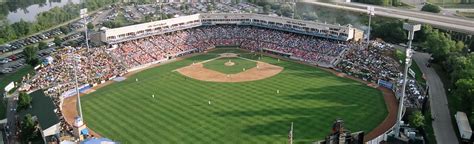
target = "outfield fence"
x: 381, y: 138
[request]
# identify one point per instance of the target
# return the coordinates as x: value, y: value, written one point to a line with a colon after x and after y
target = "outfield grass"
x: 244, y: 112
x: 239, y: 65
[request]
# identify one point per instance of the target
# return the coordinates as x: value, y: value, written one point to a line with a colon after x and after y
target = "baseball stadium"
x: 219, y: 78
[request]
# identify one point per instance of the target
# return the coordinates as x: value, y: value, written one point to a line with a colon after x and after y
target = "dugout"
x: 276, y: 52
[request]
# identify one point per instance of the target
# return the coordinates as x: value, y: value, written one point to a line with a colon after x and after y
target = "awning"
x: 98, y: 141
x: 85, y: 132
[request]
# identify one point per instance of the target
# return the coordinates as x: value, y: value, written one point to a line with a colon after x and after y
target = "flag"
x: 290, y: 134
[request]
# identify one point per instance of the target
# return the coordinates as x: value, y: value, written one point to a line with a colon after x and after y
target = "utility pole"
x: 75, y: 59
x: 83, y: 13
x: 409, y: 52
x: 294, y: 9
x: 370, y: 12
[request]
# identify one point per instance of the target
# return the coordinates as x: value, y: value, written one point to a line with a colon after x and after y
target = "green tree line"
x: 467, y: 1
x: 431, y: 8
x: 456, y: 60
x: 48, y: 19
x: 13, y: 5
x: 380, y: 2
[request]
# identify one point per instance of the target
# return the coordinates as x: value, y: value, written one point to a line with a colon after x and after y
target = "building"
x: 324, y: 30
x: 44, y: 111
x: 340, y: 135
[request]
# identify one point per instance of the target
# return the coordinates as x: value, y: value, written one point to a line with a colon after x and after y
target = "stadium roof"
x: 42, y: 107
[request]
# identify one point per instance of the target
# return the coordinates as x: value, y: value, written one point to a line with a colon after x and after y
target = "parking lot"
x: 11, y: 58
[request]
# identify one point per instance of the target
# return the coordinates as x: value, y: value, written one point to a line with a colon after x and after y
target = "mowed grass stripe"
x: 114, y: 125
x: 146, y: 121
x: 248, y: 112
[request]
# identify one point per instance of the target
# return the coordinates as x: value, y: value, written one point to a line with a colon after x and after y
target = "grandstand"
x: 323, y: 30
x: 137, y: 46
x: 149, y: 43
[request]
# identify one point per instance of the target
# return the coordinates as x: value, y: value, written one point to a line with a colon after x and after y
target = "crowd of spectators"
x: 371, y: 63
x: 303, y: 47
x: 93, y: 66
x: 155, y: 48
x: 375, y: 63
x: 415, y: 96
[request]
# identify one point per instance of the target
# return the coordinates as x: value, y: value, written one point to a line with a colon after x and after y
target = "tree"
x: 465, y: 89
x: 24, y: 101
x: 28, y: 129
x: 90, y: 26
x: 22, y: 28
x: 458, y: 47
x: 440, y: 45
x: 42, y: 45
x: 396, y: 2
x: 8, y: 33
x: 148, y: 18
x: 64, y: 29
x: 431, y: 8
x: 420, y: 36
x: 267, y: 8
x: 57, y: 41
x: 310, y: 16
x: 164, y: 16
x: 390, y: 31
x: 31, y: 54
x: 417, y: 119
x: 210, y: 7
x: 286, y: 10
x: 376, y: 2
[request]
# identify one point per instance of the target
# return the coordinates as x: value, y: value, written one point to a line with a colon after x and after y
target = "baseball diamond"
x: 220, y: 78
x: 181, y: 111
x: 233, y: 72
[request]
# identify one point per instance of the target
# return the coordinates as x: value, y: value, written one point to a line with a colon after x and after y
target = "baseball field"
x: 163, y: 105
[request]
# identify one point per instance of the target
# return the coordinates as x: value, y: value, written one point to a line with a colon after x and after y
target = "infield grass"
x: 239, y: 65
x: 244, y: 112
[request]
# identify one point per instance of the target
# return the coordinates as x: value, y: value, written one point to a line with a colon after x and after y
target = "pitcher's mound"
x: 229, y: 63
x: 262, y: 71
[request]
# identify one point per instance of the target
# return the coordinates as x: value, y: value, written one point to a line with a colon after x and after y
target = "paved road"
x: 12, y: 119
x: 442, y: 126
x: 453, y: 11
x: 446, y: 22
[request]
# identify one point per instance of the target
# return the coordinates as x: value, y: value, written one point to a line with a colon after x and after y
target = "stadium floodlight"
x: 83, y: 13
x: 409, y: 53
x: 76, y: 58
x: 294, y: 9
x: 370, y: 12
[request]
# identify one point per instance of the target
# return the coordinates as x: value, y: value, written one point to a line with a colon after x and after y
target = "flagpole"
x: 291, y: 133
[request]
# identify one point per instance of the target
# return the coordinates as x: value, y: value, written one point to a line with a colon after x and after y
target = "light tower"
x: 294, y: 9
x: 83, y: 13
x: 370, y: 12
x: 76, y: 66
x: 409, y: 52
